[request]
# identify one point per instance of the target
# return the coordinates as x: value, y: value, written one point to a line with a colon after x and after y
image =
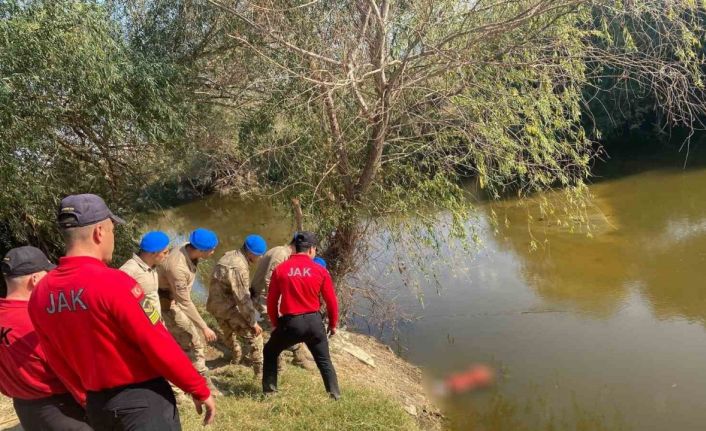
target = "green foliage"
x: 80, y: 111
x: 364, y: 111
x: 371, y: 110
x: 506, y: 114
x: 301, y: 404
x: 657, y: 95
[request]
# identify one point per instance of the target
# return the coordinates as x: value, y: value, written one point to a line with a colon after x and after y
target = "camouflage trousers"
x: 189, y: 337
x: 236, y: 329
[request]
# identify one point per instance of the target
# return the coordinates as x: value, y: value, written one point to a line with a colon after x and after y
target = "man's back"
x: 80, y: 325
x: 24, y: 372
x: 269, y: 261
x: 293, y: 307
x: 228, y: 282
x: 298, y: 283
x: 95, y: 333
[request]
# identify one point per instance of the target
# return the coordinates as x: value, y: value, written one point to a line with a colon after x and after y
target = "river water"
x: 588, y: 332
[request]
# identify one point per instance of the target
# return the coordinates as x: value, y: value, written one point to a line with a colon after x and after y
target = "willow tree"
x: 667, y: 91
x: 374, y: 108
x: 80, y: 111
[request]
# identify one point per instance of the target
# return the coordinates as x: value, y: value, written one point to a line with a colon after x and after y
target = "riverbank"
x: 380, y: 392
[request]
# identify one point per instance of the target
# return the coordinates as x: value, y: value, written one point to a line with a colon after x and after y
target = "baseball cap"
x: 203, y: 239
x: 304, y: 239
x: 83, y: 210
x: 24, y: 261
x: 154, y: 242
x: 255, y: 244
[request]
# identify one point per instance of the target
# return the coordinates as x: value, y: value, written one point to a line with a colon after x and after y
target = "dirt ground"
x: 390, y: 375
x: 8, y: 420
x: 358, y: 358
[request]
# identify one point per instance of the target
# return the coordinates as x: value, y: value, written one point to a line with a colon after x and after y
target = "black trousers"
x: 303, y: 328
x: 148, y: 405
x: 55, y: 413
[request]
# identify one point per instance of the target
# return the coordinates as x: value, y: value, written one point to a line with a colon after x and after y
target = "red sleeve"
x: 162, y: 351
x: 273, y: 298
x: 330, y: 299
x: 62, y: 370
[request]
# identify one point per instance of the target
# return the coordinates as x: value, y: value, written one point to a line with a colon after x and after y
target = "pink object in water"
x: 474, y: 377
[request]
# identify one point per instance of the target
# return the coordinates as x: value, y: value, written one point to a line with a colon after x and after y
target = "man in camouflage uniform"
x: 263, y: 273
x: 142, y: 266
x: 229, y: 301
x: 177, y: 276
x: 260, y: 286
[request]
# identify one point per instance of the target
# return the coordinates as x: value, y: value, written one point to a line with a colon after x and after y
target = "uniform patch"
x: 150, y: 311
x: 136, y: 291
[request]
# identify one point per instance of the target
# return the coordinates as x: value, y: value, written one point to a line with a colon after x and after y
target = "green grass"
x: 301, y: 404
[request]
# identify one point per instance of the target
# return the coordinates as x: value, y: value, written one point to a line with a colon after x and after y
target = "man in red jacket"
x: 293, y: 306
x: 100, y: 335
x: 41, y: 401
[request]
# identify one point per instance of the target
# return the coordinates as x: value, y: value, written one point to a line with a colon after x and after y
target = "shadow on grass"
x: 240, y: 389
x: 217, y: 362
x: 235, y: 383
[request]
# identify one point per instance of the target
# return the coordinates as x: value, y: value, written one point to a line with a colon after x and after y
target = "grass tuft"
x: 300, y: 404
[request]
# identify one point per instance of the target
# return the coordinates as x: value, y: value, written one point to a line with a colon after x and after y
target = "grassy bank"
x: 384, y: 395
x: 301, y: 404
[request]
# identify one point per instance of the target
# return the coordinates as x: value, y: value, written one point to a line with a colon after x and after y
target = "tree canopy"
x: 80, y: 111
x: 360, y: 110
x: 373, y: 108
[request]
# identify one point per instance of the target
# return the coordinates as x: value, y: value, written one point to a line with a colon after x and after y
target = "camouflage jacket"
x: 229, y: 291
x: 267, y: 264
x: 176, y: 279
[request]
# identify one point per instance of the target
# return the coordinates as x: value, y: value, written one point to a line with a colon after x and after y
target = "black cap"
x: 84, y: 210
x: 24, y: 261
x: 304, y: 239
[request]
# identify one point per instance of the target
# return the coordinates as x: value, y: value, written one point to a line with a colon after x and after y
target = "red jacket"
x: 98, y: 332
x: 299, y: 282
x: 24, y: 372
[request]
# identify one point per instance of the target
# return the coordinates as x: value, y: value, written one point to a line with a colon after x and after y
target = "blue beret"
x: 203, y: 239
x: 320, y: 261
x: 154, y: 242
x: 255, y: 244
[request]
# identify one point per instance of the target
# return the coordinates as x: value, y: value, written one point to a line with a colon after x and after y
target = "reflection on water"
x: 231, y: 218
x: 601, y: 333
x: 652, y: 234
x: 496, y: 412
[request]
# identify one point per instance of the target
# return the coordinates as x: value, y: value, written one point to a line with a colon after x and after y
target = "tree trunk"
x: 298, y: 215
x: 341, y: 250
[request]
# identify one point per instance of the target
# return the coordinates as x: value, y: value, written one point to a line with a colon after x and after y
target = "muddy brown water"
x: 600, y: 332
